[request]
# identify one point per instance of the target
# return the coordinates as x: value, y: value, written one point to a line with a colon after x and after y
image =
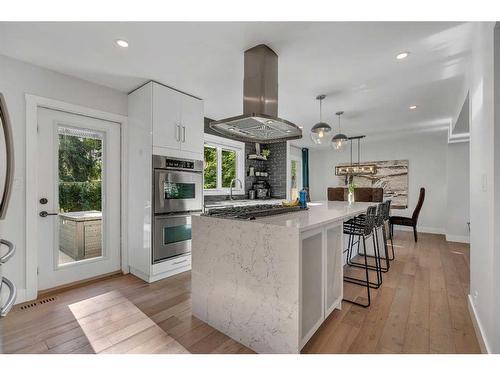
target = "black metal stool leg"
x: 386, y: 248
x: 367, y: 283
x: 378, y: 264
x: 392, y: 242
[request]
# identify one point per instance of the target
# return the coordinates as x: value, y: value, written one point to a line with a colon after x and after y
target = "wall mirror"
x: 6, y: 158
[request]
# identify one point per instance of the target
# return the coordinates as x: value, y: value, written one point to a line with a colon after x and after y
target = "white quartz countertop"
x: 318, y: 214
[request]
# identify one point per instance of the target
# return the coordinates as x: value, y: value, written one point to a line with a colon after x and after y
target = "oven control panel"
x: 179, y: 164
x: 188, y: 165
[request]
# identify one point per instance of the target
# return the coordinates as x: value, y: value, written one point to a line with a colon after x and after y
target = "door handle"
x: 178, y: 133
x: 12, y: 296
x: 45, y: 213
x: 10, y: 253
x: 183, y: 134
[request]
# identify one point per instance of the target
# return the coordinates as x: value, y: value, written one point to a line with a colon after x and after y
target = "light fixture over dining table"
x: 355, y: 169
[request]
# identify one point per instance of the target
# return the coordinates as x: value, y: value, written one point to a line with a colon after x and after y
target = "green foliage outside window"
x: 294, y: 174
x: 228, y: 167
x: 80, y: 173
x: 210, y: 168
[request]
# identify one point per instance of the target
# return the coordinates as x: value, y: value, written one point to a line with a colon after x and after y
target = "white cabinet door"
x: 192, y: 125
x: 166, y: 117
x: 333, y: 271
x: 311, y: 284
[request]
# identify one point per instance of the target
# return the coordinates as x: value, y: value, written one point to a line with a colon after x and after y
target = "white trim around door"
x: 34, y: 102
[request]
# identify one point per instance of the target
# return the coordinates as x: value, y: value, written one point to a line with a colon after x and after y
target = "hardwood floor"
x: 420, y: 308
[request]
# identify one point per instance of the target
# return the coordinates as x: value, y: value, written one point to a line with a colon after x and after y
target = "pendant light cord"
x: 320, y: 111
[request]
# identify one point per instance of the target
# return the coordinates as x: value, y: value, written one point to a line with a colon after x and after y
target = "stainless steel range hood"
x: 260, y: 122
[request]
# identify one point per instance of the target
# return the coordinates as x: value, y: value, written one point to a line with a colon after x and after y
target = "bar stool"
x: 379, y: 225
x: 387, y: 221
x: 362, y: 230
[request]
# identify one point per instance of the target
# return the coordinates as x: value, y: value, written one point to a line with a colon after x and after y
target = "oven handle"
x: 178, y: 215
x: 10, y: 253
x: 161, y: 189
x: 12, y: 297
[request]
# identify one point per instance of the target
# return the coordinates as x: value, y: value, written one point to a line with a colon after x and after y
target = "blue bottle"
x: 303, y: 198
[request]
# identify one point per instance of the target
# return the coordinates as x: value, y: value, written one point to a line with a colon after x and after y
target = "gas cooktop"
x: 251, y: 212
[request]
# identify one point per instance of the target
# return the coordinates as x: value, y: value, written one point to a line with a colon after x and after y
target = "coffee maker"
x: 262, y: 189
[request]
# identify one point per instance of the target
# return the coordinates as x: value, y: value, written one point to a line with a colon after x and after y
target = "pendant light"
x: 318, y: 131
x: 339, y: 140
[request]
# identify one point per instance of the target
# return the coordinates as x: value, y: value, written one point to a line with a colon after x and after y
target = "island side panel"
x: 245, y: 282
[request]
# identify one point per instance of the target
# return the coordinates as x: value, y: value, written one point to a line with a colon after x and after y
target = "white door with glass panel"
x: 78, y: 198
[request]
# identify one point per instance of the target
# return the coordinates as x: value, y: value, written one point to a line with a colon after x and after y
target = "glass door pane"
x: 80, y: 170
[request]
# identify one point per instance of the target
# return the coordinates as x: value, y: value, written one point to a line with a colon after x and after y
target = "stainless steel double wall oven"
x: 177, y: 194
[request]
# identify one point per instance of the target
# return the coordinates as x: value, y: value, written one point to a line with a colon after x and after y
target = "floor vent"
x: 34, y: 304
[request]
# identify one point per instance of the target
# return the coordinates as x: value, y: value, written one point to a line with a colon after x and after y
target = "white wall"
x: 480, y: 82
x: 457, y: 192
x: 426, y: 153
x: 16, y: 80
x: 495, y: 339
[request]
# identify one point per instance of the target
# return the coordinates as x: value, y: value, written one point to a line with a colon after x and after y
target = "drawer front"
x: 172, y: 264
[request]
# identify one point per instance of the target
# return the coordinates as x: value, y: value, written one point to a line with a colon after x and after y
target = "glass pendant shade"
x: 320, y: 130
x: 339, y: 140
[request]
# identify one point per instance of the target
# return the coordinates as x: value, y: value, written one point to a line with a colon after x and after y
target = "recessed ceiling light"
x: 413, y: 107
x: 122, y: 43
x: 402, y: 55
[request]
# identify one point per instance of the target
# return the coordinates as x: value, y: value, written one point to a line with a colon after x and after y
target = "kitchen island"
x: 269, y: 283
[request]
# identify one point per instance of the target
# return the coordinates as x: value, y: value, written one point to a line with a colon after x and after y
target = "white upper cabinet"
x: 192, y: 124
x: 166, y: 117
x: 177, y: 120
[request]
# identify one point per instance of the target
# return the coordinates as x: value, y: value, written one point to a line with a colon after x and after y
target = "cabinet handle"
x: 180, y: 261
x: 183, y: 134
x: 178, y: 133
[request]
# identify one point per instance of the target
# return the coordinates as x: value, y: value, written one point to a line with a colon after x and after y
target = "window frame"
x: 220, y: 143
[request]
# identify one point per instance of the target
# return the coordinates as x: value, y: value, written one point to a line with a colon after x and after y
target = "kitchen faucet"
x: 231, y: 187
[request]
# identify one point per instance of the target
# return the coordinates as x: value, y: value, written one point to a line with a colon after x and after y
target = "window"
x: 210, y: 168
x: 224, y: 160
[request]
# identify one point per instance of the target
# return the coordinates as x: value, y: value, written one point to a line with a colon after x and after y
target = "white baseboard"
x: 478, y: 328
x: 454, y: 238
x: 420, y: 229
x: 449, y: 237
x: 21, y: 297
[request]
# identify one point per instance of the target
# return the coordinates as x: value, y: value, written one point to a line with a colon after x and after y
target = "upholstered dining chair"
x: 409, y: 221
x: 361, y: 194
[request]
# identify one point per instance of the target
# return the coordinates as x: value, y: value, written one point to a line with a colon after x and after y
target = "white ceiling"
x: 353, y: 63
